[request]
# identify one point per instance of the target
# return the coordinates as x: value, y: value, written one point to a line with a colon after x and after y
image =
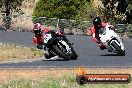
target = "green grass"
x: 66, y: 81
x: 129, y: 34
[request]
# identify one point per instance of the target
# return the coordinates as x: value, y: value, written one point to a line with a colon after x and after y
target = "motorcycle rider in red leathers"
x: 98, y: 24
x: 38, y: 38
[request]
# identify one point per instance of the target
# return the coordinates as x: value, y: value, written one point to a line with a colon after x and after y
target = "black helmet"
x: 96, y: 21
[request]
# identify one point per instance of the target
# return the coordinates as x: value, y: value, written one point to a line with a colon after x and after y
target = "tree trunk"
x: 7, y: 19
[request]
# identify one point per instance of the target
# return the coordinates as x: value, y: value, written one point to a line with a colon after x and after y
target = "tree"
x: 119, y: 11
x: 87, y: 11
x: 9, y: 5
x: 66, y: 9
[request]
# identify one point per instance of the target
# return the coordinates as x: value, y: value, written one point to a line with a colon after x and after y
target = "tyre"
x: 81, y: 80
x: 118, y: 48
x: 58, y: 51
x: 74, y: 55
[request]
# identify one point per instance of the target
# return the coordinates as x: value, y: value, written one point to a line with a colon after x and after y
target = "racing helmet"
x: 37, y: 29
x: 96, y: 21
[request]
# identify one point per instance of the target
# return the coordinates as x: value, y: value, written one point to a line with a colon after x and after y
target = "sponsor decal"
x: 82, y: 77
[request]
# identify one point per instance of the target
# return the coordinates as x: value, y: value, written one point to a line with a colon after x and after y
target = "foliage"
x: 13, y: 4
x: 129, y: 31
x: 66, y: 9
x: 8, y: 5
x: 118, y: 10
x: 86, y: 12
x: 0, y: 4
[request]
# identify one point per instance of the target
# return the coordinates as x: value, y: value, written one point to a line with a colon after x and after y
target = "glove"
x: 111, y: 27
x: 59, y: 33
x: 39, y: 46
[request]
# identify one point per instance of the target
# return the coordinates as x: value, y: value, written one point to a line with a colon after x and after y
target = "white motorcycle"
x: 111, y: 40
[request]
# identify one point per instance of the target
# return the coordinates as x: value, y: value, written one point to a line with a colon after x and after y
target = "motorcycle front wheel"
x: 58, y: 51
x: 118, y: 48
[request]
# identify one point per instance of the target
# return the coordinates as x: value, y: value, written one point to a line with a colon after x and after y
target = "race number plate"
x: 47, y: 37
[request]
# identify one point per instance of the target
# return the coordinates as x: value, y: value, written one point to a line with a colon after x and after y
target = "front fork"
x: 120, y: 41
x: 66, y: 46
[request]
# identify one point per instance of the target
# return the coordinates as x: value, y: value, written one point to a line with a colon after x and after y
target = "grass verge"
x: 55, y: 78
x: 14, y: 52
x: 55, y: 82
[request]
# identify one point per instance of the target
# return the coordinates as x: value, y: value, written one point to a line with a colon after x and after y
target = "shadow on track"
x: 111, y: 55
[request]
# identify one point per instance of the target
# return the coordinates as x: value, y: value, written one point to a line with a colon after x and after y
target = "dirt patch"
x: 38, y: 74
x: 14, y: 52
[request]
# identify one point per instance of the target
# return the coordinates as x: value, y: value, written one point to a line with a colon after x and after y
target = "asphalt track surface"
x: 89, y: 54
